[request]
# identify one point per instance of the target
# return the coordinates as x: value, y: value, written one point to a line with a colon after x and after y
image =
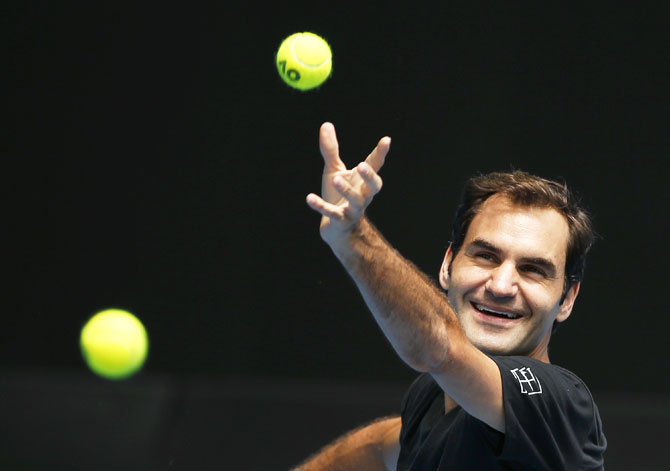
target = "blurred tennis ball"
x: 114, y: 344
x: 304, y: 60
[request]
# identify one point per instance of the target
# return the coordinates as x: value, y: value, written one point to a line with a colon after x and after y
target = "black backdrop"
x: 157, y: 163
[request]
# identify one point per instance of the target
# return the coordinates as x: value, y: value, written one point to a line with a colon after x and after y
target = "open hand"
x: 345, y: 193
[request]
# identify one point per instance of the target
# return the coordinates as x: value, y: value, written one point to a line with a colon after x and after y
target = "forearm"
x: 372, y: 447
x: 411, y: 310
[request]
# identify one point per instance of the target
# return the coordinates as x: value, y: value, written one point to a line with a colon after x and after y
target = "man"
x: 487, y: 398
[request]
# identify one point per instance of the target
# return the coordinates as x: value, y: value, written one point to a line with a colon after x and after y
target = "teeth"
x: 499, y: 313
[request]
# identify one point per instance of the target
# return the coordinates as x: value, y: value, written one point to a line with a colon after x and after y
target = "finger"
x: 330, y: 149
x: 378, y: 154
x: 351, y: 194
x: 326, y: 209
x: 370, y: 177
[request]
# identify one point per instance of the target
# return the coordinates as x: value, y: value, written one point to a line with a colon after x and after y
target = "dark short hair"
x: 529, y: 190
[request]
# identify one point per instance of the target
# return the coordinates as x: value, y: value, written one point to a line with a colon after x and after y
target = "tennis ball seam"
x: 297, y: 57
x: 304, y: 60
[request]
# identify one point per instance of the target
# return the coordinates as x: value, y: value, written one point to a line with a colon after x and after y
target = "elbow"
x: 438, y: 357
x: 428, y: 357
x: 454, y: 356
x: 430, y: 346
x: 443, y: 353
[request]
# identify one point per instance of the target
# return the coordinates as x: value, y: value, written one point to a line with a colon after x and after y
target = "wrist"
x: 349, y: 244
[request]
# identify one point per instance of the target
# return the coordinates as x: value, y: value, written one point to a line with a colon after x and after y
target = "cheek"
x: 464, y: 281
x: 468, y: 277
x: 543, y: 300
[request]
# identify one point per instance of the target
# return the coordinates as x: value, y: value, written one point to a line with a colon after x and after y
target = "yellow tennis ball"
x: 114, y: 344
x: 304, y: 60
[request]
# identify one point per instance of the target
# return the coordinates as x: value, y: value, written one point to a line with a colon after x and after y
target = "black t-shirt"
x: 551, y: 423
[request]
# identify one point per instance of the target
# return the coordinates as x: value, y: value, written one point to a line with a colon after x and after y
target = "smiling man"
x: 506, y: 282
x: 487, y: 396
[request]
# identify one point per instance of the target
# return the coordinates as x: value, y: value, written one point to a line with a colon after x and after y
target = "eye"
x: 533, y: 269
x: 486, y: 256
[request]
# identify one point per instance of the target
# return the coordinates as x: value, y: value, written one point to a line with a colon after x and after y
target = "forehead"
x: 524, y: 230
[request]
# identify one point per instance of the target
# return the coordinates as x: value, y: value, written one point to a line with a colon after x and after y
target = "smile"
x: 494, y: 312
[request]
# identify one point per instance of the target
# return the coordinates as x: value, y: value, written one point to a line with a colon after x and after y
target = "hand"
x: 345, y: 194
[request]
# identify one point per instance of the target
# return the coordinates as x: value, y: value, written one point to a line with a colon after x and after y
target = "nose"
x: 503, y: 281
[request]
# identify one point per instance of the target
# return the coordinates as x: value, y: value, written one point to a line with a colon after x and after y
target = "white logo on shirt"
x: 529, y: 383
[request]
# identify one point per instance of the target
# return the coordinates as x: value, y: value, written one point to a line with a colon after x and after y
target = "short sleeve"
x: 551, y: 420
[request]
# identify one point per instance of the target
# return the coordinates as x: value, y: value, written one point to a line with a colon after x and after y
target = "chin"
x: 496, y: 350
x: 495, y: 346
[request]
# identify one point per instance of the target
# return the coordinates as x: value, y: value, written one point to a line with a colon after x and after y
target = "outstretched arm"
x: 411, y: 310
x: 372, y: 447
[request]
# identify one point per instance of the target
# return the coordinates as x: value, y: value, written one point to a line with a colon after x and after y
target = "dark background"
x: 157, y: 163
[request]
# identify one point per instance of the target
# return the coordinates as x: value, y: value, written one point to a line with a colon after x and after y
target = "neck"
x: 541, y: 350
x: 449, y: 404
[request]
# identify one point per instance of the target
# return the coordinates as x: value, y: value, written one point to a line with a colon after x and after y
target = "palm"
x: 330, y: 194
x: 328, y: 191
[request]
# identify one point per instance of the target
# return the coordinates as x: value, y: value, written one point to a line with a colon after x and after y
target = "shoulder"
x: 550, y: 410
x: 533, y: 377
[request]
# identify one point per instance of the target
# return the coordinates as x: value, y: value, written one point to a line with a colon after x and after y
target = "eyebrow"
x: 542, y: 262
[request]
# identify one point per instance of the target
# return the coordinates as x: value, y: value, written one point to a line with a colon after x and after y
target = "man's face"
x: 506, y: 282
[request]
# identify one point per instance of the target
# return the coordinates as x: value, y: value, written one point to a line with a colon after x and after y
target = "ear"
x: 444, y: 269
x: 569, y: 301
